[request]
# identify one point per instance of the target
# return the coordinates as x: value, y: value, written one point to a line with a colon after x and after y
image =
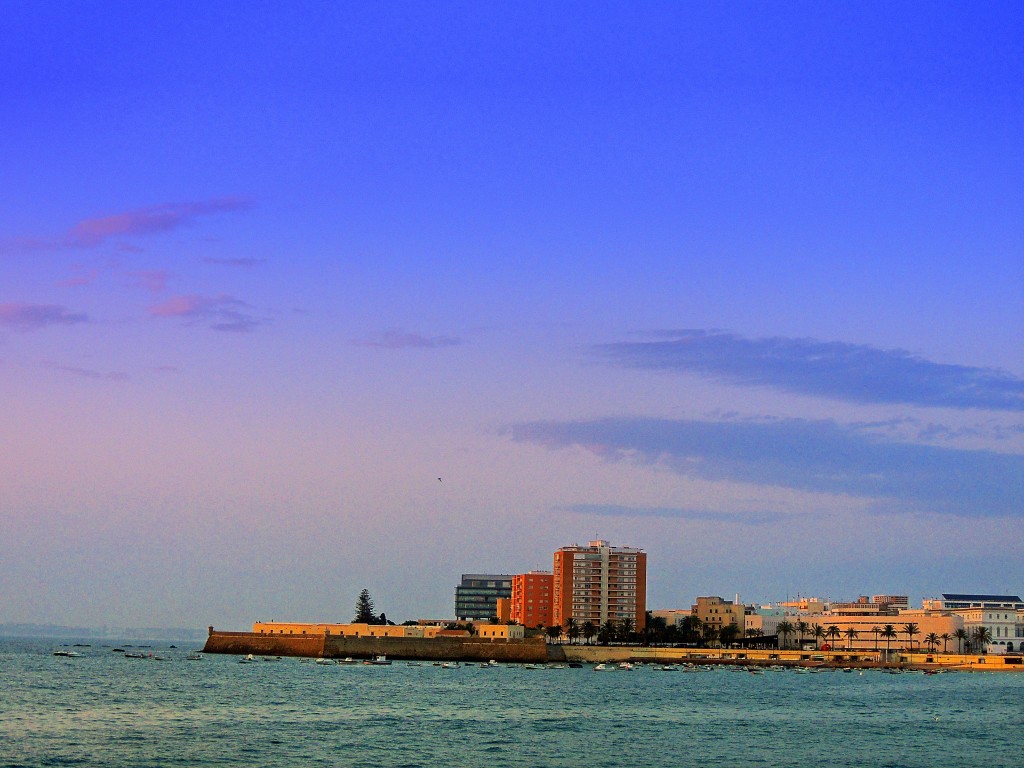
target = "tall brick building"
x: 599, y: 583
x: 532, y: 599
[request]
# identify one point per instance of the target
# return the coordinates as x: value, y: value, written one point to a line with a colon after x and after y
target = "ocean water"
x: 103, y: 709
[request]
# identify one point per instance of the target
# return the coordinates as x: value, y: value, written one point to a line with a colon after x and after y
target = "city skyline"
x: 297, y: 301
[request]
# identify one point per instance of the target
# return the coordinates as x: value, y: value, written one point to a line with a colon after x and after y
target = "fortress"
x: 500, y: 642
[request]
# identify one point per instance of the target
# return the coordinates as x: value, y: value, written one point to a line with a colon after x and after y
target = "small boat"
x: 449, y: 665
x: 625, y: 666
x: 134, y: 655
x: 324, y: 662
x: 68, y: 654
x: 378, y: 661
x: 530, y: 666
x: 249, y: 659
x: 346, y: 660
x: 413, y: 664
x: 602, y: 667
x: 194, y: 656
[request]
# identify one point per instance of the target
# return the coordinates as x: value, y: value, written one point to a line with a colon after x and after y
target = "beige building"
x: 501, y: 631
x: 869, y: 630
x: 344, y: 630
x: 716, y: 613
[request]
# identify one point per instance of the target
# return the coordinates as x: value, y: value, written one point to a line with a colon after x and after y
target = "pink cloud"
x: 242, y: 261
x: 395, y: 338
x: 150, y: 220
x: 153, y: 219
x: 154, y: 280
x: 221, y: 313
x: 88, y: 373
x: 32, y: 317
x: 80, y: 276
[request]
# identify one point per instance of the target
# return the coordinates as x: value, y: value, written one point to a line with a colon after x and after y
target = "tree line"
x: 692, y: 631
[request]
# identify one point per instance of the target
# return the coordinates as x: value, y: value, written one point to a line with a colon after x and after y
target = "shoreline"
x: 536, y: 650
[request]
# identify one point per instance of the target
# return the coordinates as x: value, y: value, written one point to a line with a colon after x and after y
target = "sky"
x: 300, y: 299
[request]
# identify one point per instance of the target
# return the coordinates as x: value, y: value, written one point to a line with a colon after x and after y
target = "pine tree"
x: 364, y: 609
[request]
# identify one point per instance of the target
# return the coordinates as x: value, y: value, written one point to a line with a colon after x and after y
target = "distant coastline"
x: 102, y: 633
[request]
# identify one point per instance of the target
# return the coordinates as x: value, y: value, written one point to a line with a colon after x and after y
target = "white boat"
x: 602, y: 667
x: 68, y: 654
x: 194, y: 656
x: 449, y: 665
x: 625, y: 666
x: 378, y: 661
x: 249, y: 659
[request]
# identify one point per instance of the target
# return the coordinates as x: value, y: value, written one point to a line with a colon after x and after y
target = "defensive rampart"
x: 264, y: 645
x: 532, y: 650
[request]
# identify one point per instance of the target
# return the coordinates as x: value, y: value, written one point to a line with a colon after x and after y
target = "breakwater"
x: 532, y: 650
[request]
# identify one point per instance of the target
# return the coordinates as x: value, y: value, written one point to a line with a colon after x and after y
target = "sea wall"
x: 532, y: 650
x: 594, y: 654
x: 264, y: 645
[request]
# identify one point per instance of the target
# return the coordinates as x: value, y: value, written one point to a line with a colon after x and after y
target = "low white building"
x: 999, y: 614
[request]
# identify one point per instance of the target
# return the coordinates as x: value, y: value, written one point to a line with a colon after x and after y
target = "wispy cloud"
x: 32, y: 317
x: 88, y: 373
x: 149, y: 220
x: 673, y: 513
x: 220, y: 313
x: 81, y: 276
x: 152, y: 280
x: 397, y: 339
x: 244, y: 262
x: 852, y: 372
x: 820, y: 456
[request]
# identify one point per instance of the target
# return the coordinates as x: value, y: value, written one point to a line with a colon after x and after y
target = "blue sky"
x: 742, y: 285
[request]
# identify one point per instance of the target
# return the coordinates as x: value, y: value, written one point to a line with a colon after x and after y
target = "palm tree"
x: 589, y: 631
x: 982, y: 636
x: 554, y: 632
x: 728, y: 634
x: 606, y: 633
x: 834, y: 633
x: 818, y: 633
x: 802, y: 628
x: 910, y: 630
x: 851, y: 635
x: 755, y: 633
x: 931, y: 640
x: 572, y: 629
x: 961, y: 637
x: 693, y: 629
x: 710, y: 635
x: 784, y: 630
x: 626, y: 629
x: 889, y: 633
x: 945, y: 637
x: 876, y: 630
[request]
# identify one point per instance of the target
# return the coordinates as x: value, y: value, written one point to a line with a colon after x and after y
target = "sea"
x: 104, y: 709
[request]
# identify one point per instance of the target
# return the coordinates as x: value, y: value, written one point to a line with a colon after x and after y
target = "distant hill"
x: 99, y: 633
